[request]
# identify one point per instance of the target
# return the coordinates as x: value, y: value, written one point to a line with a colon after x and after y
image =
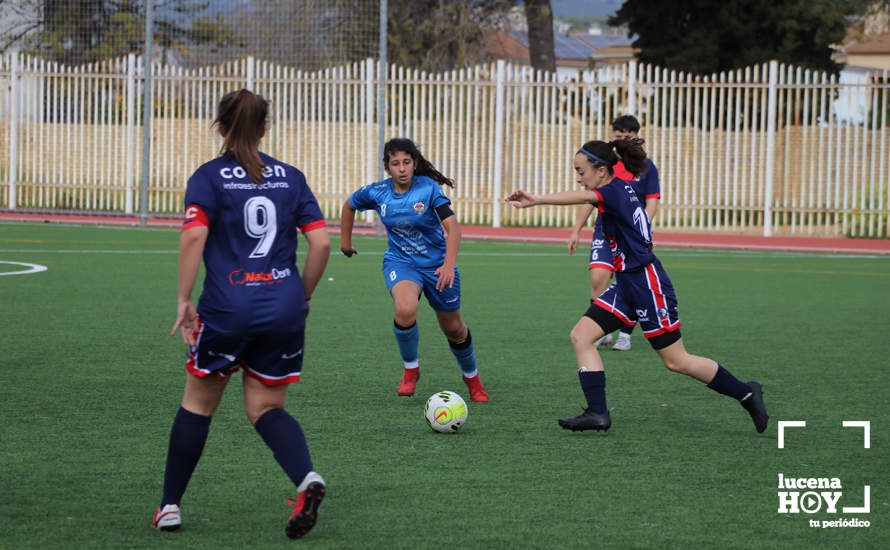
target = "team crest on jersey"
x: 418, y: 207
x: 662, y: 313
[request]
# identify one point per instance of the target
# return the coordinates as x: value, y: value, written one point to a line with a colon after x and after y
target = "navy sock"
x: 628, y: 330
x: 187, y: 438
x: 465, y: 355
x: 283, y: 434
x: 727, y: 384
x: 407, y: 338
x: 593, y: 384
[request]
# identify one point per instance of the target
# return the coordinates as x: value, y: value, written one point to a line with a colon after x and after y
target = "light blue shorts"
x: 447, y: 299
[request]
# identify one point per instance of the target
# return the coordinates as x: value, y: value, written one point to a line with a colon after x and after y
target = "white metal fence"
x: 764, y: 149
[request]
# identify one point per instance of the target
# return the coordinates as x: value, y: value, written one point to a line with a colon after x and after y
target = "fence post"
x: 370, y: 158
x: 770, y: 149
x: 499, y: 109
x: 631, y: 88
x: 251, y: 75
x: 13, y: 127
x: 381, y: 86
x: 131, y: 130
x: 147, y: 113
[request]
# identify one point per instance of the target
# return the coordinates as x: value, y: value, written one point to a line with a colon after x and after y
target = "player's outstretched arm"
x: 316, y: 259
x: 191, y: 249
x: 521, y: 199
x: 347, y: 219
x: 445, y: 272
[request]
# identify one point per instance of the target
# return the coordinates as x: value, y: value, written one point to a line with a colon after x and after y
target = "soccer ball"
x: 445, y: 411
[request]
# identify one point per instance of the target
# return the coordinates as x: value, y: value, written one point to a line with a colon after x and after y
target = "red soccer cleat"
x: 305, y: 513
x: 409, y: 382
x: 477, y: 390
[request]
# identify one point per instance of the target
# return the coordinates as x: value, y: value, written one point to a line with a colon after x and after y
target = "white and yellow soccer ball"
x: 445, y: 411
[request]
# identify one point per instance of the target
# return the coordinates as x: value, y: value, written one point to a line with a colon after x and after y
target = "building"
x: 873, y: 53
x: 574, y: 51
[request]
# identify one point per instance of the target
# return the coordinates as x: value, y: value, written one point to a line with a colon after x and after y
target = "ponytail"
x: 422, y: 167
x: 241, y: 117
x: 632, y: 154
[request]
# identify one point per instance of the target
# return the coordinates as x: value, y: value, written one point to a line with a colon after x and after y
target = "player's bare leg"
x: 677, y: 359
x: 750, y: 394
x: 202, y: 395
x: 600, y: 278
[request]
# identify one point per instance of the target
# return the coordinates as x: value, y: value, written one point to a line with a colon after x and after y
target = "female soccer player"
x: 419, y: 259
x: 642, y: 291
x: 242, y: 212
x: 602, y: 262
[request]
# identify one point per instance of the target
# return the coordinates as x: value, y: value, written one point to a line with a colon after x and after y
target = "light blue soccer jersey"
x: 414, y: 229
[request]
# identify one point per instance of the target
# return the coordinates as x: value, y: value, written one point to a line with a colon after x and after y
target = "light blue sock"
x: 465, y: 355
x: 407, y: 338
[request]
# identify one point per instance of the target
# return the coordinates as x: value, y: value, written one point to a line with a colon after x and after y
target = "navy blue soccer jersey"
x: 625, y: 225
x: 252, y: 282
x: 414, y: 229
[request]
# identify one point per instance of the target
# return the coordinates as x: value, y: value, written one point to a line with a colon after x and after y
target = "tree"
x: 308, y: 34
x: 706, y: 36
x: 80, y: 31
x: 437, y: 35
x: 539, y: 16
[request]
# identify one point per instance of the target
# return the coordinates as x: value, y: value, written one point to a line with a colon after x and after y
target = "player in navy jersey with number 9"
x: 419, y: 259
x: 642, y: 291
x: 243, y: 210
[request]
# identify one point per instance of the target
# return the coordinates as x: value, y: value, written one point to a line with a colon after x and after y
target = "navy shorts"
x: 271, y: 358
x: 447, y: 299
x: 600, y: 249
x: 645, y: 296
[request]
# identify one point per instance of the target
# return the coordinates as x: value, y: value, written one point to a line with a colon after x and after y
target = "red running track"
x: 720, y: 241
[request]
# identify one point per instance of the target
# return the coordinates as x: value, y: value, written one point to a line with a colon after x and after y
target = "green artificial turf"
x: 90, y: 382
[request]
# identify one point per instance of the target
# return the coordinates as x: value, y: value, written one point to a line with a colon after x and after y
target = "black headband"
x: 594, y: 157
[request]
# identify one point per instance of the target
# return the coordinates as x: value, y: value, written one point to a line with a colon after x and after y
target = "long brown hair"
x: 422, y: 167
x: 241, y: 116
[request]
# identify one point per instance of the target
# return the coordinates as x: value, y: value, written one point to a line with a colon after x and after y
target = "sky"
x: 570, y: 8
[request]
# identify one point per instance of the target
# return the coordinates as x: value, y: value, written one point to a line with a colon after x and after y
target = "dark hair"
x: 629, y: 151
x: 422, y: 167
x: 242, y: 117
x: 626, y: 123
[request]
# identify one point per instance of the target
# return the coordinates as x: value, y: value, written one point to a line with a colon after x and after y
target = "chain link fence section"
x: 304, y: 34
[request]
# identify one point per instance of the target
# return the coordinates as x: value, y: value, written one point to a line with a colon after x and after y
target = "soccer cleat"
x: 588, y: 420
x: 409, y: 382
x: 756, y: 407
x: 604, y: 341
x: 622, y: 343
x: 167, y: 518
x: 477, y: 390
x: 305, y: 513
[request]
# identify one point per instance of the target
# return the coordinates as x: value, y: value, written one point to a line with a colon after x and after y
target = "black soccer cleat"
x: 755, y: 406
x: 305, y: 512
x: 588, y: 420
